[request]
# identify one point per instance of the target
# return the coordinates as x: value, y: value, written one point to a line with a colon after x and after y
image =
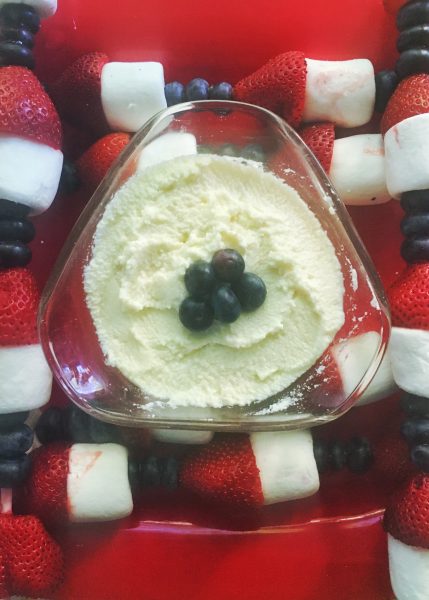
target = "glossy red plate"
x: 173, y: 547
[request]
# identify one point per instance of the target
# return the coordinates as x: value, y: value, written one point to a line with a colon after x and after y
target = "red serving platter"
x: 175, y: 547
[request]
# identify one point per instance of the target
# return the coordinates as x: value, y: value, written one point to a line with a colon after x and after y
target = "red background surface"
x: 174, y: 547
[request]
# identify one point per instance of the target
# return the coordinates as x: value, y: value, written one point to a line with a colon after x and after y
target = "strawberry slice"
x: 320, y: 139
x: 279, y: 85
x: 77, y: 93
x: 409, y: 297
x: 407, y: 514
x: 97, y: 160
x: 19, y: 301
x: 224, y: 470
x: 410, y: 98
x: 34, y: 561
x: 392, y: 460
x: 26, y: 109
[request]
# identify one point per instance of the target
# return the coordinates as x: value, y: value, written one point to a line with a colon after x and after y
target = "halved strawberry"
x: 409, y: 297
x: 279, y: 85
x: 93, y: 165
x: 392, y: 460
x: 410, y: 98
x: 19, y: 301
x: 320, y: 139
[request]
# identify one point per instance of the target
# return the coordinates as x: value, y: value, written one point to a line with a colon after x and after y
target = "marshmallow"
x: 131, y: 93
x: 339, y: 91
x: 45, y: 8
x: 97, y: 483
x: 25, y: 378
x: 409, y: 350
x: 182, y: 436
x: 353, y: 358
x: 30, y: 172
x: 409, y: 570
x: 286, y: 464
x: 167, y: 146
x: 407, y: 155
x: 358, y: 171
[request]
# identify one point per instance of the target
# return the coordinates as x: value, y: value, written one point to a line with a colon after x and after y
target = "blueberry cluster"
x: 356, y: 454
x: 18, y: 25
x: 415, y: 226
x: 196, y: 89
x: 153, y: 471
x: 416, y: 429
x: 16, y: 231
x: 219, y: 290
x: 413, y: 42
x: 16, y: 439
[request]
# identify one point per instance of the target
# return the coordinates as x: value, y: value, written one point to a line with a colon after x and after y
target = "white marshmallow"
x: 286, y: 464
x: 25, y: 378
x: 353, y: 357
x: 182, y: 436
x: 45, y: 8
x: 409, y: 350
x: 358, y: 171
x: 97, y: 483
x: 339, y: 91
x: 409, y: 570
x: 167, y: 146
x: 407, y: 155
x: 29, y: 172
x: 132, y: 93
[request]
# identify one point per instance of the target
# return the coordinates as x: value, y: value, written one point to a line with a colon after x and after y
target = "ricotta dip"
x: 168, y: 216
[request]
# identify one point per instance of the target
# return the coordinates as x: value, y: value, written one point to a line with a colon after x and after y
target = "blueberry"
x: 415, y: 224
x: 385, y: 84
x: 337, y: 455
x: 12, y: 419
x: 321, y: 455
x: 250, y: 290
x: 195, y: 315
x: 225, y: 304
x: 413, y: 37
x: 134, y: 474
x: 20, y: 35
x: 200, y: 279
x: 78, y: 426
x: 415, y: 201
x: 14, y: 254
x: 69, y: 180
x: 15, y: 442
x: 228, y: 265
x: 228, y: 150
x: 420, y: 457
x: 415, y: 60
x: 412, y: 13
x: 20, y: 230
x: 20, y: 15
x: 415, y: 405
x: 51, y: 425
x: 416, y: 430
x: 13, y: 209
x: 15, y: 53
x: 174, y: 93
x: 100, y: 432
x: 253, y: 152
x: 197, y: 89
x: 220, y: 91
x: 415, y: 249
x: 169, y: 467
x: 14, y: 471
x: 359, y: 455
x: 149, y: 472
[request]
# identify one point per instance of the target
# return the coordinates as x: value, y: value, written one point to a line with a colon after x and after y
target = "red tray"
x: 174, y: 547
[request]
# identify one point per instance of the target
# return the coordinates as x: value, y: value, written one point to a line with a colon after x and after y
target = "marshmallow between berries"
x: 97, y: 483
x: 25, y: 378
x: 131, y: 93
x: 286, y: 463
x: 407, y: 155
x: 44, y: 8
x: 409, y: 570
x: 165, y: 147
x: 357, y: 169
x: 339, y: 91
x: 30, y: 172
x: 410, y: 359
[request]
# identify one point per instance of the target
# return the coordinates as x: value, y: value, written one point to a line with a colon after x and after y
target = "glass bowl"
x: 256, y: 138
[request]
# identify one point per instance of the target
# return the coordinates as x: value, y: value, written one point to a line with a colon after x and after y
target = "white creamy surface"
x: 166, y: 217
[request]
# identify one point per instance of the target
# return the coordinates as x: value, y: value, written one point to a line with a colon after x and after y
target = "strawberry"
x: 19, y: 300
x: 409, y: 297
x: 46, y: 489
x: 3, y: 579
x: 279, y: 85
x: 26, y: 109
x: 407, y: 514
x: 97, y: 160
x: 77, y: 93
x: 392, y: 460
x: 320, y: 139
x: 410, y: 98
x: 224, y: 470
x: 34, y: 561
x: 392, y: 6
